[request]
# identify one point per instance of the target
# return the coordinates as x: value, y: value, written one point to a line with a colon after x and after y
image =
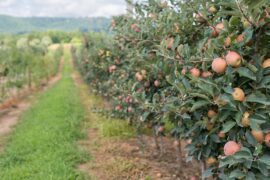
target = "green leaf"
x: 254, y: 4
x: 186, y: 83
x: 226, y: 161
x: 263, y: 169
x: 200, y: 96
x: 176, y: 41
x: 229, y: 161
x: 198, y: 105
x: 206, y: 88
x: 258, y: 149
x: 250, y: 139
x: 244, y: 153
x: 258, y: 98
x: 180, y: 87
x: 250, y: 176
x: 265, y: 81
x: 228, y: 126
x: 265, y: 159
x: 234, y: 21
x: 255, y: 122
x: 238, y: 118
x: 237, y: 174
x: 245, y: 72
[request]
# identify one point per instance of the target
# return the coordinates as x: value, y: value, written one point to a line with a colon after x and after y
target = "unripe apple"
x: 219, y: 65
x: 160, y: 75
x: 153, y: 16
x: 214, y: 32
x: 144, y: 72
x: 164, y: 4
x: 221, y: 134
x: 135, y: 27
x: 233, y: 58
x: 127, y: 99
x: 211, y: 161
x: 209, y: 126
x: 245, y: 119
x: 118, y: 108
x: 117, y: 61
x: 258, y: 135
x: 267, y: 140
x: 219, y: 27
x: 169, y: 43
x: 227, y: 42
x: 176, y: 28
x: 206, y: 74
x: 130, y: 109
x: 157, y: 83
x: 231, y: 147
x: 112, y: 68
x: 195, y: 72
x: 240, y: 38
x: 266, y: 63
x: 161, y: 129
x: 147, y: 84
x: 246, y: 24
x: 138, y: 76
x: 184, y: 71
x: 199, y: 18
x: 211, y: 113
x: 212, y: 9
x: 238, y: 94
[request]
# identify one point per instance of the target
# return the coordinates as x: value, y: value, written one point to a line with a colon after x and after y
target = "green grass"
x: 114, y: 128
x: 43, y: 145
x: 108, y: 127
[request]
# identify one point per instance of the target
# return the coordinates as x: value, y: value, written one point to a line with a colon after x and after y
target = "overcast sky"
x: 62, y: 8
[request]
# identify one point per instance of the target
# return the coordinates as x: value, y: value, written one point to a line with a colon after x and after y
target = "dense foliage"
x: 26, y: 63
x: 202, y: 66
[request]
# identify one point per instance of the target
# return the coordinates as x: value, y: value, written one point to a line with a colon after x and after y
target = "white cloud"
x: 63, y: 8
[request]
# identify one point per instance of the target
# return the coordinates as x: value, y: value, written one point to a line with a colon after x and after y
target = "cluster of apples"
x: 219, y: 66
x: 159, y: 46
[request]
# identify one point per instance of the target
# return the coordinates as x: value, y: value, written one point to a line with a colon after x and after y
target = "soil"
x: 122, y: 159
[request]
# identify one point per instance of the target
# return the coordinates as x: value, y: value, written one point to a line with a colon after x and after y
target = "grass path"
x: 43, y: 145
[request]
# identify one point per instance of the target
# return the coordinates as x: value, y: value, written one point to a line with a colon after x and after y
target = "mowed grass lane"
x: 43, y: 144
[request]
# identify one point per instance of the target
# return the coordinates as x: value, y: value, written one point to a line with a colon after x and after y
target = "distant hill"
x: 18, y: 25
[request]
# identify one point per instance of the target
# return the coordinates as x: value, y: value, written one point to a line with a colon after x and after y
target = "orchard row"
x: 25, y: 63
x: 196, y: 70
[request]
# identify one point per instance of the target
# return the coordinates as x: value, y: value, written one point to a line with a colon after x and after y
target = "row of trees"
x: 201, y: 66
x: 25, y: 63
